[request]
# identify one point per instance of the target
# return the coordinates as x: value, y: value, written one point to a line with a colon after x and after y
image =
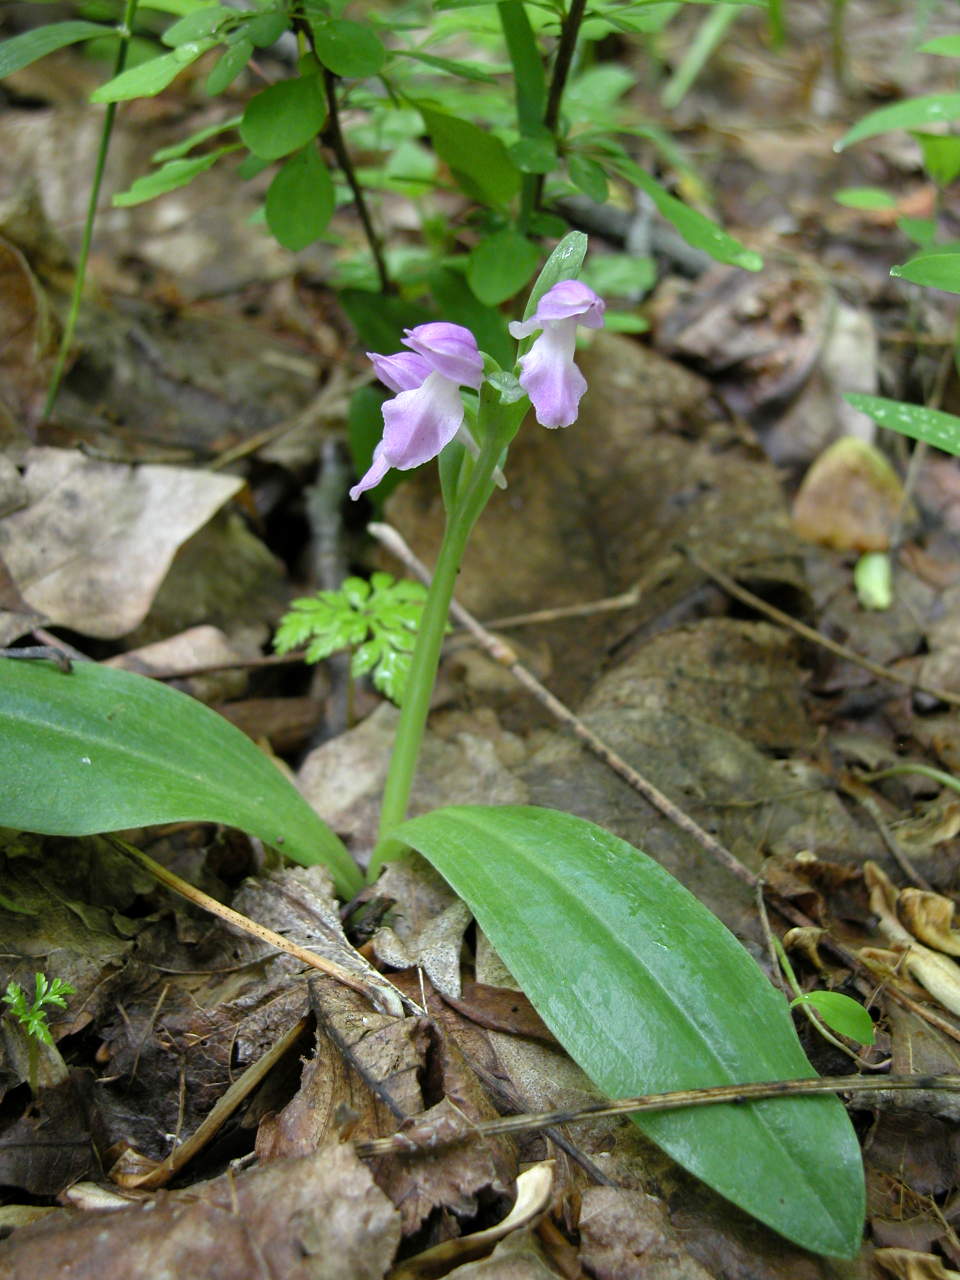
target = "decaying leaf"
x: 933, y: 970
x: 850, y: 498
x: 534, y: 1187
x: 929, y: 917
x: 907, y: 1264
x: 97, y: 538
x: 318, y: 1217
x: 26, y: 343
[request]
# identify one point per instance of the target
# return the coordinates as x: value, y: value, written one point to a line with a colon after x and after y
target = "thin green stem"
x: 426, y: 653
x: 125, y: 31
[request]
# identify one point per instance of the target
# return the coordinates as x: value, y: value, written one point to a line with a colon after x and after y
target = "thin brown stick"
x: 426, y: 1137
x: 733, y: 588
x: 372, y: 985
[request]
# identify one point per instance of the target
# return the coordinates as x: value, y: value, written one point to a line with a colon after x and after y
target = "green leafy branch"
x: 377, y: 620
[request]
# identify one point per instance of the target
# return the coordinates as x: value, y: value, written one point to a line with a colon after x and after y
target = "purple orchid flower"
x: 427, y: 411
x: 549, y: 376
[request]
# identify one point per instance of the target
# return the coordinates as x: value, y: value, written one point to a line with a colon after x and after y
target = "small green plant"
x: 33, y: 1017
x: 376, y: 620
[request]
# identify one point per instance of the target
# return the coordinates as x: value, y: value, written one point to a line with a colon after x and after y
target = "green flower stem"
x: 125, y: 30
x: 501, y: 425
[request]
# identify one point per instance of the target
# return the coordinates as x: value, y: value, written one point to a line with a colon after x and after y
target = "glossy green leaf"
x: 284, y: 117
x: 947, y: 46
x: 922, y: 231
x: 479, y: 161
x: 941, y: 155
x: 232, y: 62
x: 697, y: 229
x: 841, y: 1014
x: 300, y: 201
x: 914, y: 113
x: 648, y: 991
x: 938, y: 268
x: 152, y: 77
x: 450, y: 66
x: 169, y: 177
x: 266, y: 29
x: 27, y: 47
x: 103, y: 750
x: 588, y: 177
x: 348, y: 48
x: 198, y: 24
x: 563, y: 264
x: 865, y: 198
x: 942, y: 430
x: 177, y: 150
x: 501, y: 265
x: 526, y: 59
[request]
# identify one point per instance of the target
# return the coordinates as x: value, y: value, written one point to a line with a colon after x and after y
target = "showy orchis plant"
x: 427, y: 416
x: 639, y: 982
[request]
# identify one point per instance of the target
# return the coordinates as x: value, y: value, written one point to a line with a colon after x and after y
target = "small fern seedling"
x: 376, y: 620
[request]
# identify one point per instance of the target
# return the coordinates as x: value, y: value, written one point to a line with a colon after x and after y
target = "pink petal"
x: 450, y: 350
x: 400, y: 372
x: 378, y: 469
x: 571, y: 298
x: 550, y: 378
x: 419, y: 423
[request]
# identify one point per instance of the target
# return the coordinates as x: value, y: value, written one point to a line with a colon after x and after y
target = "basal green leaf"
x: 937, y: 269
x: 169, y: 177
x: 103, y: 750
x: 477, y: 159
x: 934, y: 108
x: 27, y: 47
x: 284, y: 117
x: 300, y: 201
x: 152, y: 77
x: 348, y: 48
x: 648, y: 991
x: 942, y: 430
x: 501, y: 265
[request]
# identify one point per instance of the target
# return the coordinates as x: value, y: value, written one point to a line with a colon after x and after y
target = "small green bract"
x: 377, y: 620
x: 33, y: 1017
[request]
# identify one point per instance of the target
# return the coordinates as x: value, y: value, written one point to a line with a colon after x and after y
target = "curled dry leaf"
x: 933, y: 970
x: 850, y: 498
x: 929, y: 917
x: 908, y: 1264
x: 534, y: 1187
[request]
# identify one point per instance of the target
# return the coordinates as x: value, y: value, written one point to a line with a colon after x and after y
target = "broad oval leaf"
x: 501, y: 265
x: 300, y: 201
x: 933, y: 108
x: 284, y: 117
x: 648, y: 991
x: 102, y: 750
x: 348, y: 48
x: 840, y: 1013
x: 937, y: 269
x: 933, y: 426
x: 27, y: 47
x: 478, y: 160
